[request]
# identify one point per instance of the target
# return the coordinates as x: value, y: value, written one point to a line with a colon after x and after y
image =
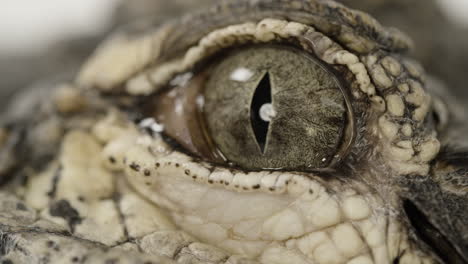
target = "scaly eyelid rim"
x: 333, y: 19
x: 127, y: 54
x: 266, y: 31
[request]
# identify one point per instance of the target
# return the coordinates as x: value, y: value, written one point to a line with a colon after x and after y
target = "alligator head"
x: 270, y: 131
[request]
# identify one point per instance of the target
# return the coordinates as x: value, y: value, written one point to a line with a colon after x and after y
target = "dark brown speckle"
x: 111, y: 261
x: 21, y: 207
x: 50, y: 243
x: 134, y: 166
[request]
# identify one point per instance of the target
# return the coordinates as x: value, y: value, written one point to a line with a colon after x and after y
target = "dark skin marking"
x: 397, y: 260
x: 63, y: 209
x: 5, y: 242
x: 112, y: 160
x: 147, y: 172
x: 21, y: 207
x: 55, y: 180
x: 134, y: 166
x: 111, y: 261
x: 50, y: 244
x: 431, y: 235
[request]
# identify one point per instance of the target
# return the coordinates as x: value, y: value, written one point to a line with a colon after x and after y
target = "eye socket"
x: 260, y: 107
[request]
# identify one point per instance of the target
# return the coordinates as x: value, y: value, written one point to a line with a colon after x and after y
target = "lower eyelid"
x: 150, y: 167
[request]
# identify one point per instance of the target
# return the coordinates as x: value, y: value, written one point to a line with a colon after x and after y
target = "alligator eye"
x: 260, y: 107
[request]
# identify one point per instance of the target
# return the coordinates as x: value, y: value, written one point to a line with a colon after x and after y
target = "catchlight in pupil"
x: 264, y: 107
x: 261, y: 99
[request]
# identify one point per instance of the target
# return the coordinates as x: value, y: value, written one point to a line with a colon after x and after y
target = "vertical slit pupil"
x: 262, y: 95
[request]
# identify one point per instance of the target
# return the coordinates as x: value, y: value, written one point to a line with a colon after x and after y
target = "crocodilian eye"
x: 259, y: 107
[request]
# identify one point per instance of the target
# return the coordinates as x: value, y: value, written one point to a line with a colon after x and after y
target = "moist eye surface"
x: 287, y: 111
x: 264, y: 107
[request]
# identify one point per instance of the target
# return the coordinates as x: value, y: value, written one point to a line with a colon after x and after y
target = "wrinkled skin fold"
x: 83, y: 180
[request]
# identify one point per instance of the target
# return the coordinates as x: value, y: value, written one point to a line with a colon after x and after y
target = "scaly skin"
x: 84, y: 183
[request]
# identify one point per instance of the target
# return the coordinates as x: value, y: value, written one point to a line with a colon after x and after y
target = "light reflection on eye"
x: 241, y: 74
x: 258, y: 107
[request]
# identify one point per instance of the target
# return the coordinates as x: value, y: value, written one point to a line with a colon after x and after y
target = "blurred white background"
x: 28, y: 26
x: 457, y: 10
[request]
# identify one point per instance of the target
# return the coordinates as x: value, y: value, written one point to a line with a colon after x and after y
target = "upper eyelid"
x: 331, y: 18
x: 128, y: 54
x: 265, y: 31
